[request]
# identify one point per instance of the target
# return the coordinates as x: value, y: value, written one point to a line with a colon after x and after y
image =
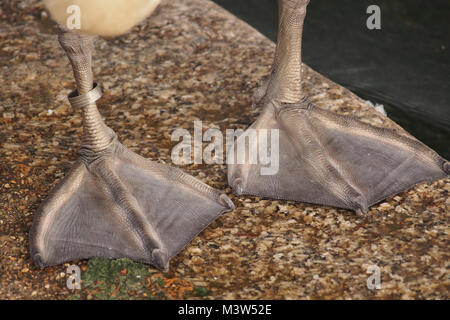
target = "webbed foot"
x: 334, y: 160
x: 122, y: 205
x: 114, y: 203
x: 324, y: 158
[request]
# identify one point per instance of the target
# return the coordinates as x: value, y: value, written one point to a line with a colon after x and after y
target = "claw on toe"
x: 362, y: 206
x: 226, y: 202
x: 446, y: 167
x: 37, y: 260
x: 161, y: 259
x: 237, y: 186
x: 360, y: 212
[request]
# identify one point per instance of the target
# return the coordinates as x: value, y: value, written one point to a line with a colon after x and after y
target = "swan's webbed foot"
x: 114, y: 203
x: 324, y: 158
x: 334, y: 160
x: 122, y: 205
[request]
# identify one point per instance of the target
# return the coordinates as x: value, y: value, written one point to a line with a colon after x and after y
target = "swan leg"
x: 324, y: 158
x: 114, y: 203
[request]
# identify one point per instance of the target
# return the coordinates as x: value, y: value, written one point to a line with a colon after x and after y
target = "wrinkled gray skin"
x: 114, y: 203
x: 325, y: 158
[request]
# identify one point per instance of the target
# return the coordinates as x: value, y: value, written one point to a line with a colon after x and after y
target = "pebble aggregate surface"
x: 194, y: 61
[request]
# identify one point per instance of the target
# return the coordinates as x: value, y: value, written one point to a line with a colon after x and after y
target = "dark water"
x: 405, y: 65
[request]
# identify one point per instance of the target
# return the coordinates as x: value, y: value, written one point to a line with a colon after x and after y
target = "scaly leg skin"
x: 324, y: 158
x: 114, y: 203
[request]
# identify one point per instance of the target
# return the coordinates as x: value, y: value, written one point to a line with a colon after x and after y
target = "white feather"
x: 102, y: 17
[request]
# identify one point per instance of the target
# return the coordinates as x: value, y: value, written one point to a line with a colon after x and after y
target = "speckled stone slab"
x: 194, y: 61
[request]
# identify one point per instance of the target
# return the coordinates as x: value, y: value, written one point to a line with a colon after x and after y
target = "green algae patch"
x: 123, y: 279
x: 117, y: 279
x: 200, y: 292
